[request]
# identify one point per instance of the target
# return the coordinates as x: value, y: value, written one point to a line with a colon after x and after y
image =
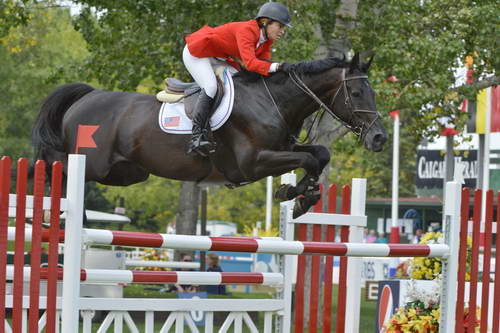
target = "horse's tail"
x: 47, y: 131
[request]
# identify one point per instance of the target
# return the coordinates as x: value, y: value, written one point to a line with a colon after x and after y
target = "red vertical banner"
x: 328, y: 278
x: 55, y: 204
x: 5, y: 164
x: 344, y: 237
x: 462, y: 261
x: 21, y: 187
x: 36, y: 244
x: 495, y: 109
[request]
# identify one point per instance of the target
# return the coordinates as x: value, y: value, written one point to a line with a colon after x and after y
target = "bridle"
x: 359, y: 129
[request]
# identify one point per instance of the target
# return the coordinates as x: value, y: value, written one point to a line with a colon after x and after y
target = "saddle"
x: 178, y: 91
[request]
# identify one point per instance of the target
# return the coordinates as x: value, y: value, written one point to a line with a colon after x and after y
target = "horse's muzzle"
x: 375, y: 141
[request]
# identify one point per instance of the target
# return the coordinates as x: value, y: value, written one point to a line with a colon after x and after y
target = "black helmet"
x: 275, y: 11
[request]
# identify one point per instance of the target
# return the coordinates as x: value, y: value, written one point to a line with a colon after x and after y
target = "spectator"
x: 418, y: 236
x: 213, y: 266
x: 372, y: 236
x: 381, y: 238
x: 184, y: 288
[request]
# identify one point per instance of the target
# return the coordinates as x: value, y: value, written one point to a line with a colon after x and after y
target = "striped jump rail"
x: 130, y: 276
x: 274, y: 245
x: 243, y: 244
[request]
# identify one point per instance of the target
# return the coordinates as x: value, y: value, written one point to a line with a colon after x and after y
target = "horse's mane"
x: 318, y: 66
x: 303, y: 67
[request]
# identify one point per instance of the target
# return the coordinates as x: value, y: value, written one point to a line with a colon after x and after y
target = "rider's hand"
x: 285, y: 67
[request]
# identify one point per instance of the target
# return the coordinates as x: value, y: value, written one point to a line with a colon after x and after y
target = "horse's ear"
x: 354, y: 63
x: 366, y: 65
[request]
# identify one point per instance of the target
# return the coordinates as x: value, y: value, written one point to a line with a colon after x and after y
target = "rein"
x: 359, y: 130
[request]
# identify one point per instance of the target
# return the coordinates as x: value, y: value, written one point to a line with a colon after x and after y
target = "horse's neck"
x: 297, y: 105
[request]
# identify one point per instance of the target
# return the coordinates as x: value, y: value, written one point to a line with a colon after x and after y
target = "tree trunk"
x: 187, y: 215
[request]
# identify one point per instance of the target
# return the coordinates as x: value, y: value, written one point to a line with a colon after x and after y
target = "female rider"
x: 245, y: 44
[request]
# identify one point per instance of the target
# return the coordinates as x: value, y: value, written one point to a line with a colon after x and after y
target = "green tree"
x: 130, y: 41
x: 12, y: 14
x: 35, y: 58
x: 150, y: 205
x: 423, y: 43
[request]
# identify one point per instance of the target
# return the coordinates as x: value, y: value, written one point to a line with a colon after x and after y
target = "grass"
x: 367, y: 317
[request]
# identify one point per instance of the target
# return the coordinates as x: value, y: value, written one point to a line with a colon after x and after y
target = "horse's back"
x: 130, y: 143
x: 120, y: 118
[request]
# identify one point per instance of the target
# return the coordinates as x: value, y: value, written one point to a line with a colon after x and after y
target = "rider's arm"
x: 246, y: 40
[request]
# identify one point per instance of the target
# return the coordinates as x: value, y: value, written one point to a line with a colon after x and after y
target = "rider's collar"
x: 262, y: 38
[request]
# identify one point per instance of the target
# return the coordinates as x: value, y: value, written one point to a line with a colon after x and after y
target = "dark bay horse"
x: 257, y: 140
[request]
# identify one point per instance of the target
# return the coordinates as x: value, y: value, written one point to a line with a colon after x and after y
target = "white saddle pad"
x: 172, y: 116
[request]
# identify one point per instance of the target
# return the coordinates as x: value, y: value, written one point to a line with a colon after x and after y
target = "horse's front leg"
x: 321, y: 154
x: 308, y: 186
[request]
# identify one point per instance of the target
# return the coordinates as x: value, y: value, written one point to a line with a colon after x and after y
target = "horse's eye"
x: 356, y: 94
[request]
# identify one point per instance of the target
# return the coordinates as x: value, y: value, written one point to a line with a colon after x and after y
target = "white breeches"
x: 202, y: 70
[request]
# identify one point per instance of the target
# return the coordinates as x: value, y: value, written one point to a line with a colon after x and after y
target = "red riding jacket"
x: 232, y: 41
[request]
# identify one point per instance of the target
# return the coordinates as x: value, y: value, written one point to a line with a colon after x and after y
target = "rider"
x: 241, y: 44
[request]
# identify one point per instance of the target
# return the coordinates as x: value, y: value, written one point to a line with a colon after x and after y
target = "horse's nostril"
x: 380, y: 138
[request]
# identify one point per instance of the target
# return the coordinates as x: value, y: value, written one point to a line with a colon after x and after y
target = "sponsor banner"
x: 388, y: 302
x: 431, y: 168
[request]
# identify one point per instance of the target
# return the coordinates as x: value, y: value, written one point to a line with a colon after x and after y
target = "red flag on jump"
x: 84, y: 137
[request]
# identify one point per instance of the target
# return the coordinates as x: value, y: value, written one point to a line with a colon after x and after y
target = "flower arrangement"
x: 421, y: 313
x: 430, y: 268
x: 154, y: 255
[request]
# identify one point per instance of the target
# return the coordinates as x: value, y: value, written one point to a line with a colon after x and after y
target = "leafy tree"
x: 244, y: 205
x: 150, y: 205
x: 12, y: 14
x: 130, y: 41
x: 423, y: 43
x: 35, y: 58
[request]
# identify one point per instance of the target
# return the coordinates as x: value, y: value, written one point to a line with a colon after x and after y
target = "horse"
x: 258, y: 139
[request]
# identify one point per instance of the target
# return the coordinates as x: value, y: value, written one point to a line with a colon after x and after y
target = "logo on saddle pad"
x: 172, y: 117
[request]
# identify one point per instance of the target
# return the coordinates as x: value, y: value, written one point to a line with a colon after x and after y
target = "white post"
x: 73, y: 243
x: 353, y: 297
x: 394, y: 238
x: 486, y: 162
x: 450, y: 264
x: 289, y: 261
x: 269, y: 202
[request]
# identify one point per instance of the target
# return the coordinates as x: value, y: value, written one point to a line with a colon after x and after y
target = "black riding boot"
x: 200, y: 143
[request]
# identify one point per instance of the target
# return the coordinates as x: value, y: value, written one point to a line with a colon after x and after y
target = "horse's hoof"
x: 303, y: 204
x: 282, y: 192
x: 298, y: 208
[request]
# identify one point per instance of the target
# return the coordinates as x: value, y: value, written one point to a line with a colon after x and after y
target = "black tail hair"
x: 47, y: 131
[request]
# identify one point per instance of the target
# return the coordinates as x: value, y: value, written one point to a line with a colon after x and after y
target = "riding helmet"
x: 275, y: 11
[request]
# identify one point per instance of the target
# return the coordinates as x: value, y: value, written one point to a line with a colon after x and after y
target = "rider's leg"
x: 202, y: 72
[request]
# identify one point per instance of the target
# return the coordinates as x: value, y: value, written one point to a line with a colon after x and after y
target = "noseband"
x: 359, y: 129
